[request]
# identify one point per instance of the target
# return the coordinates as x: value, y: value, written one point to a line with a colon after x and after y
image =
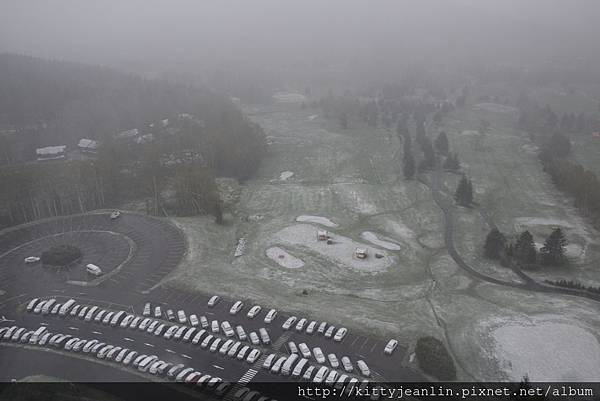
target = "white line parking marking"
x: 186, y: 356
x: 171, y: 351
x: 219, y: 367
x: 128, y: 339
x: 96, y: 332
x: 148, y: 345
x: 73, y: 328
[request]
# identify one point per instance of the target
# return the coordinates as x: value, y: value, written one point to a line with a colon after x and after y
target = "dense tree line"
x: 523, y: 251
x: 574, y: 284
x: 434, y: 358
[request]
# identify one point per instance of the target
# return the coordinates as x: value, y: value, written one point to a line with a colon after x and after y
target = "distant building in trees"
x: 51, y: 153
x: 88, y: 146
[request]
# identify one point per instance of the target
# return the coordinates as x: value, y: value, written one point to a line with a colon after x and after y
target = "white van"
x: 321, y: 374
x: 93, y: 269
x: 64, y: 309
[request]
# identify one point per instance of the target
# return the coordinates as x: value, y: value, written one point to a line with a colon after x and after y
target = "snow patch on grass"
x: 284, y: 258
x: 374, y: 239
x: 324, y: 221
x: 548, y: 351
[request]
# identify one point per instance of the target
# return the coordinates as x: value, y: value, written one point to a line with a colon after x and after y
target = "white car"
x: 347, y: 364
x: 321, y: 374
x: 213, y: 300
x: 268, y: 361
x: 236, y: 307
x: 364, y: 369
x: 115, y: 215
x: 215, y: 326
x: 242, y: 353
x: 331, y: 378
x: 241, y: 333
x: 333, y: 361
x: 300, y: 325
x: 253, y: 356
x: 203, y: 322
x: 292, y: 347
x: 254, y: 338
x: 254, y: 311
x: 146, y: 311
x: 264, y: 335
x: 234, y: 349
x: 215, y: 345
x: 198, y: 336
x: 319, y: 355
x: 329, y: 332
x: 32, y: 259
x: 181, y: 317
x: 157, y: 312
x: 226, y: 327
x: 206, y: 341
x: 322, y: 327
x: 308, y: 373
x: 340, y: 334
x: 170, y: 332
x: 270, y: 316
x: 225, y: 347
x: 288, y: 323
x: 311, y: 327
x: 194, y: 320
x: 277, y: 365
x: 390, y: 347
x: 304, y: 350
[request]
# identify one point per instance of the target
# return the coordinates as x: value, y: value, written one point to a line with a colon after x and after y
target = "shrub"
x: 434, y: 359
x: 61, y: 255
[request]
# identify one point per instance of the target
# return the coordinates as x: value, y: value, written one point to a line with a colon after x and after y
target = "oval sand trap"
x: 283, y: 258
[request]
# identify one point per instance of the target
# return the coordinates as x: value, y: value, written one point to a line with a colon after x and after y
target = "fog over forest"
x: 189, y: 36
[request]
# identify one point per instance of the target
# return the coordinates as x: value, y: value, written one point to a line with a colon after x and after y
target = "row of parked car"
x: 141, y: 362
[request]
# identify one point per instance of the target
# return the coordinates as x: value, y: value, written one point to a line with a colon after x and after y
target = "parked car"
x: 170, y: 315
x: 304, y: 350
x: 227, y: 329
x: 269, y: 361
x: 236, y: 307
x: 203, y: 322
x: 207, y: 341
x: 311, y: 327
x: 319, y: 355
x: 264, y: 335
x: 292, y: 347
x: 241, y: 333
x: 214, y: 326
x: 308, y: 373
x: 254, y: 311
x: 270, y: 316
x: 254, y: 338
x: 242, y: 353
x: 215, y: 345
x: 253, y: 356
x: 289, y: 322
x: 157, y: 312
x: 322, y: 327
x: 347, y: 364
x: 300, y: 325
x: 390, y: 347
x: 333, y: 361
x: 213, y: 301
x: 340, y: 334
x: 363, y: 368
x: 147, y: 309
x: 321, y: 374
x: 181, y: 317
x: 115, y: 215
x: 233, y: 350
x: 194, y: 320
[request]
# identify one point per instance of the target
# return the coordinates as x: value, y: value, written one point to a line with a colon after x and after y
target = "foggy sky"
x: 163, y: 35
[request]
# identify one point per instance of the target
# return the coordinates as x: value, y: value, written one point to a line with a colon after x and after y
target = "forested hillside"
x: 46, y: 103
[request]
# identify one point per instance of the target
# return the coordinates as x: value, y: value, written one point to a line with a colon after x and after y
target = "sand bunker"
x: 286, y: 175
x: 283, y: 258
x: 548, y: 351
x: 374, y: 239
x: 341, y: 251
x: 324, y: 221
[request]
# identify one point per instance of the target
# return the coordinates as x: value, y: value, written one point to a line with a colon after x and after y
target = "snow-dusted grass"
x: 548, y: 351
x: 340, y: 252
x: 374, y: 239
x: 283, y: 258
x: 494, y: 108
x: 324, y: 221
x: 289, y: 97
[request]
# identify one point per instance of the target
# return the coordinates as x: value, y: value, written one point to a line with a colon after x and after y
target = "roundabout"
x: 134, y: 253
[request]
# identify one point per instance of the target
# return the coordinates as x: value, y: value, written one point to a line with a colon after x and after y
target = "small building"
x: 88, y: 146
x: 360, y: 253
x: 128, y: 135
x: 322, y: 235
x: 51, y: 153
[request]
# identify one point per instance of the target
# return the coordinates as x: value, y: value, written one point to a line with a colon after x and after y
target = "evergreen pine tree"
x: 441, y: 143
x: 553, y: 251
x: 494, y: 244
x: 524, y: 250
x: 409, y: 166
x: 464, y: 192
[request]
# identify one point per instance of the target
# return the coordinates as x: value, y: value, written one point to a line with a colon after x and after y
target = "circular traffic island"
x: 61, y: 256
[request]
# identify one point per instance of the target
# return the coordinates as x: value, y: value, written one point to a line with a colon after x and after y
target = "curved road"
x: 528, y: 283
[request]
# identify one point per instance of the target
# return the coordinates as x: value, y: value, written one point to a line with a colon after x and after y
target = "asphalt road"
x: 147, y: 249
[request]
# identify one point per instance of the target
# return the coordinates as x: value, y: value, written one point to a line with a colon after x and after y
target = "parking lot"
x: 157, y: 248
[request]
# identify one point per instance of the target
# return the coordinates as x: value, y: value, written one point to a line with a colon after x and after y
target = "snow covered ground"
x: 284, y: 258
x: 374, y: 239
x: 548, y: 351
x: 284, y: 176
x: 324, y: 221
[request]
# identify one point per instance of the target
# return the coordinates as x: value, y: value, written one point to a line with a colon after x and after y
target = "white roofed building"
x: 51, y: 152
x: 88, y: 145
